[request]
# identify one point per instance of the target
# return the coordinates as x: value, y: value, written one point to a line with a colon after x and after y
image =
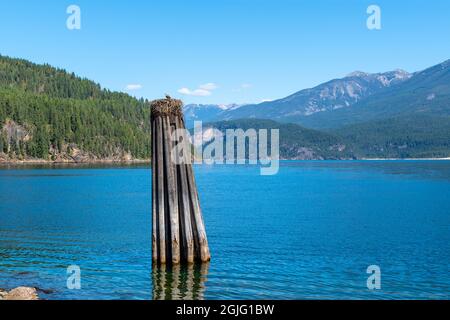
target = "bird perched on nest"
x: 166, y: 106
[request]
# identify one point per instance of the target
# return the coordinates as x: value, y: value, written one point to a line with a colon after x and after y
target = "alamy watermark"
x: 235, y: 146
x: 73, y: 277
x: 374, y: 280
x: 73, y: 22
x: 374, y: 20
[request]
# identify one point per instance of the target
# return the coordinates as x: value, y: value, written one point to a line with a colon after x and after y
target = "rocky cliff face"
x: 14, y: 133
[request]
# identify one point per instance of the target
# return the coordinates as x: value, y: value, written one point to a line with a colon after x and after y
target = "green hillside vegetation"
x: 46, y: 112
x: 296, y: 142
x: 401, y: 137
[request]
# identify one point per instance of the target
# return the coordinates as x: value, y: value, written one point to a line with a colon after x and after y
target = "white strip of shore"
x: 404, y: 159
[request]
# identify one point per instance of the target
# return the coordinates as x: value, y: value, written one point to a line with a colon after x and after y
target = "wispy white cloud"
x: 196, y: 92
x: 202, y: 90
x: 208, y: 86
x: 132, y: 87
x: 243, y: 87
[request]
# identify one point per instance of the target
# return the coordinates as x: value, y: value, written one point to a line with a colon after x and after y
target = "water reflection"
x: 179, y: 282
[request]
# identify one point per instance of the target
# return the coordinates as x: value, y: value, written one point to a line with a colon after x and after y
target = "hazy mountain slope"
x: 332, y: 95
x: 426, y: 93
x: 205, y: 112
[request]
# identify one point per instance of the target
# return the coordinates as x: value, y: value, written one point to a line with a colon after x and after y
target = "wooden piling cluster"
x: 179, y: 234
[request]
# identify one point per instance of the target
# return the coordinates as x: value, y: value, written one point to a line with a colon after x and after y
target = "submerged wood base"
x: 179, y: 234
x: 179, y: 282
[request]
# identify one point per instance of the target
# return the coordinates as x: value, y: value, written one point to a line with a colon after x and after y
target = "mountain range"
x: 332, y: 95
x: 50, y: 114
x: 356, y: 98
x: 205, y: 112
x: 394, y: 114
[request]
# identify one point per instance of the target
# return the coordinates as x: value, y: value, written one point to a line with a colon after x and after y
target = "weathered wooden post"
x: 178, y: 229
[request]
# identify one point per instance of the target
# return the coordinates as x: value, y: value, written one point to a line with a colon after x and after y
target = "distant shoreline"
x: 404, y: 159
x: 140, y: 161
x: 373, y: 159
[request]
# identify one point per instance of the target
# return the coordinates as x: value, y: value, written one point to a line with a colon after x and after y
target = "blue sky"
x: 226, y: 51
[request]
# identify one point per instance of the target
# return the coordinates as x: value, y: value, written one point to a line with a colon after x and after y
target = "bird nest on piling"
x: 167, y: 106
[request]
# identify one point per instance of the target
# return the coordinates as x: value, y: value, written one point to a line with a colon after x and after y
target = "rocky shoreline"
x: 70, y: 154
x: 90, y: 161
x: 20, y: 293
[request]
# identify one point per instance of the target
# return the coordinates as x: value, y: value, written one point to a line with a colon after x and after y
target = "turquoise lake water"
x: 308, y: 232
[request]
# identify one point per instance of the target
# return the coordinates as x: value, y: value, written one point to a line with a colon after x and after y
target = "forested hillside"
x: 415, y: 136
x: 402, y: 137
x: 296, y: 142
x: 47, y: 113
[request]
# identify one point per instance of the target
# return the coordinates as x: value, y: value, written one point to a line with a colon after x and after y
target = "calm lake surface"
x: 309, y: 232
